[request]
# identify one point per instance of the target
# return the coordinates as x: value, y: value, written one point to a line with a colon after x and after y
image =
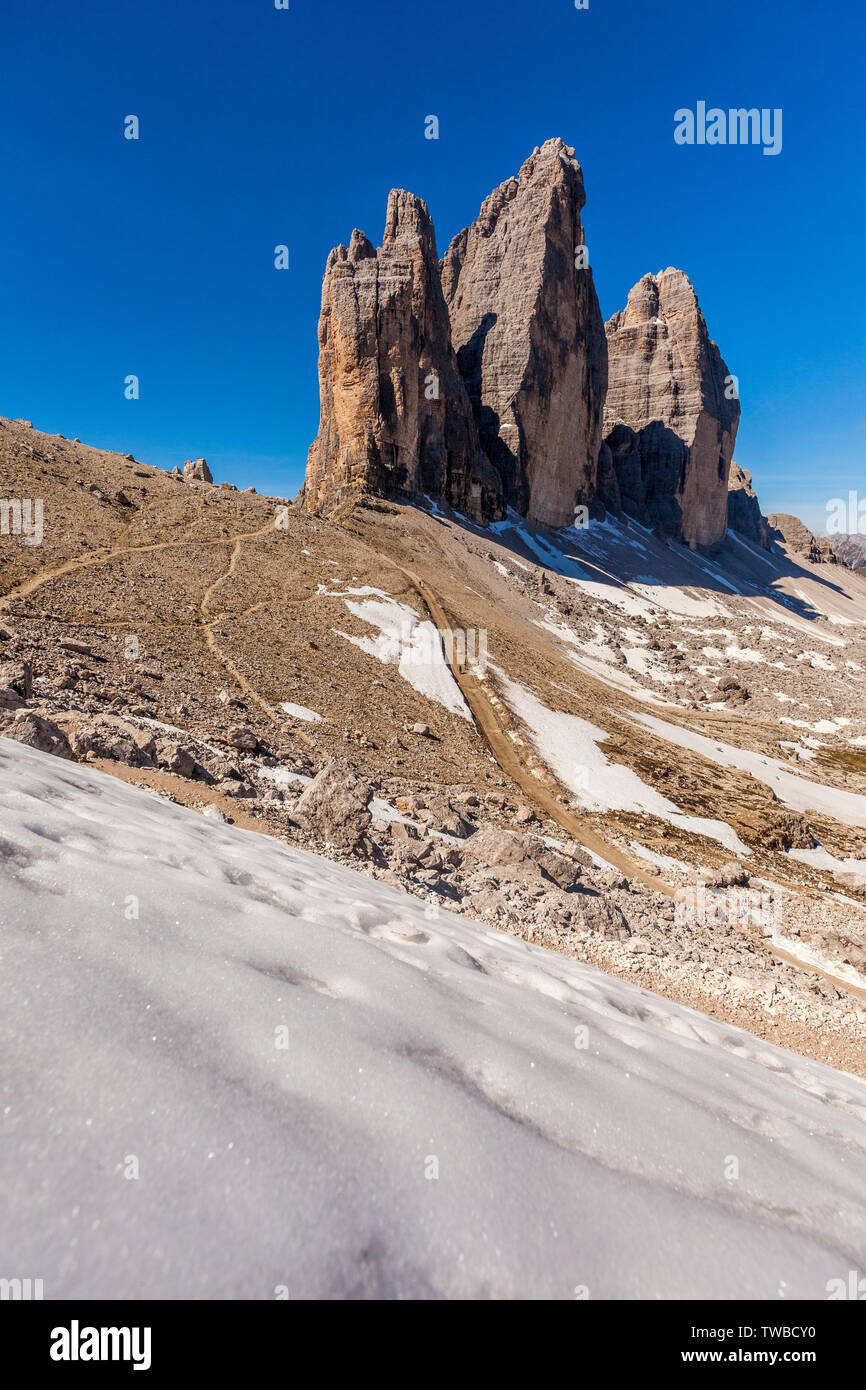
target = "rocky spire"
x: 744, y: 510
x: 529, y: 336
x: 672, y: 411
x: 395, y: 417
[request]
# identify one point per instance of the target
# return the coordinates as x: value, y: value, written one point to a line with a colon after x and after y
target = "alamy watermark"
x: 704, y: 905
x: 463, y: 647
x: 77, y: 1343
x: 21, y: 1290
x: 22, y: 517
x: 736, y: 126
x: 846, y: 517
x: 854, y: 1287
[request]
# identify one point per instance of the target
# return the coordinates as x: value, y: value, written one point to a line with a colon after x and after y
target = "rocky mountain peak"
x: 489, y: 380
x: 529, y: 335
x: 407, y: 216
x: 395, y: 417
x: 672, y: 411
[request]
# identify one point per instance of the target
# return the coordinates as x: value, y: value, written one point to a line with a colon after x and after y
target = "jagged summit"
x: 488, y: 380
x: 479, y: 381
x: 395, y: 417
x: 671, y: 412
x: 744, y: 510
x: 529, y: 335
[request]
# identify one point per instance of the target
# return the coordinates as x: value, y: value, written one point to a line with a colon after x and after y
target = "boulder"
x: 38, y: 733
x: 115, y: 739
x: 243, y: 739
x: 730, y: 875
x: 17, y: 676
x: 784, y: 830
x: 335, y: 806
x: 509, y: 855
x: 592, y: 912
x: 175, y: 758
x: 437, y: 810
x: 71, y: 644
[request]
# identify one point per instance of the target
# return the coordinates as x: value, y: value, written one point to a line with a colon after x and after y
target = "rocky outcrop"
x: 16, y: 679
x: 744, y: 510
x: 524, y: 856
x: 197, y: 471
x: 530, y: 338
x: 395, y: 417
x: 114, y: 739
x: 38, y: 732
x: 334, y: 807
x: 480, y: 382
x: 790, y: 531
x: 671, y: 413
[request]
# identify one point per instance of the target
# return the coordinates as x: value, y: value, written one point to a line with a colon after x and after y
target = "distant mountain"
x: 852, y: 549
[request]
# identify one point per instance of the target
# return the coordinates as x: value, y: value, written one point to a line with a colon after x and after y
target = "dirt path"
x: 228, y: 665
x: 508, y: 756
x: 120, y: 551
x: 104, y: 557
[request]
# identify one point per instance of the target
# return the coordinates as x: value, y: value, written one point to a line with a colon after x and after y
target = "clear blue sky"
x: 261, y: 127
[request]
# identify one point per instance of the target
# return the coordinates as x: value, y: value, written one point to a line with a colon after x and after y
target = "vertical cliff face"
x: 672, y: 412
x: 395, y: 417
x: 529, y: 336
x: 744, y: 510
x: 481, y: 381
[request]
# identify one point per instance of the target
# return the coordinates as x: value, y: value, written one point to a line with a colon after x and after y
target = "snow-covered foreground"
x: 153, y: 962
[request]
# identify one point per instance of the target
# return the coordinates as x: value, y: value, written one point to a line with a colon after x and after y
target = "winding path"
x: 508, y: 756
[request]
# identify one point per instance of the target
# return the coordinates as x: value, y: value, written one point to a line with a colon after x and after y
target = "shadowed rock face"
x: 395, y: 417
x: 530, y: 337
x: 744, y: 510
x: 671, y: 415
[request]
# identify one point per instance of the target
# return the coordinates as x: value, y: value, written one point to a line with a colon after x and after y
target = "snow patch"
x: 301, y: 712
x: 417, y: 1044
x: 570, y: 748
x: 407, y: 642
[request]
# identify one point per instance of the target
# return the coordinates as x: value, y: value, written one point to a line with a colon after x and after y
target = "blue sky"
x: 261, y: 127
